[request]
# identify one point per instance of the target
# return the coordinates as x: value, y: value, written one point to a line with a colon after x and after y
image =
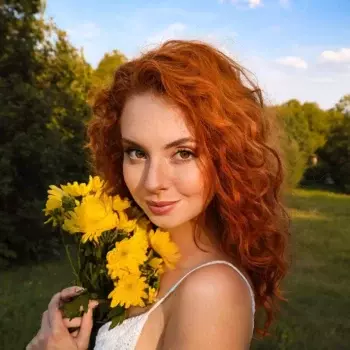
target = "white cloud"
x: 292, y: 61
x: 322, y: 80
x: 285, y: 3
x: 340, y: 56
x: 254, y: 3
x: 84, y: 31
x: 251, y: 3
x: 221, y: 38
x: 87, y: 35
x: 224, y: 49
x: 173, y: 31
x: 280, y: 84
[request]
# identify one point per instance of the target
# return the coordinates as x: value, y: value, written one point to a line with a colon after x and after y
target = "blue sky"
x: 295, y: 48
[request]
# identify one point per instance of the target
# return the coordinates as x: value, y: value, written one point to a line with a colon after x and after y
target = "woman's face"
x: 160, y: 162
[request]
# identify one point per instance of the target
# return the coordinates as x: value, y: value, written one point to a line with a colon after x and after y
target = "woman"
x: 184, y: 132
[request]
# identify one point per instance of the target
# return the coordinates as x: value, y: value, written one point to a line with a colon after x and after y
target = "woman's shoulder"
x: 214, y: 299
x: 220, y: 281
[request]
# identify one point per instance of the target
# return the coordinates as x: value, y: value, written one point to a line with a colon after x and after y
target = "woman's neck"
x: 191, y: 254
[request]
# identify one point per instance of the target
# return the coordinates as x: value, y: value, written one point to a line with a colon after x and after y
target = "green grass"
x: 24, y: 295
x: 317, y: 287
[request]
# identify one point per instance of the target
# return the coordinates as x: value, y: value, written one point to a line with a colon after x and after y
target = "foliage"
x: 343, y: 105
x: 336, y: 153
x: 294, y: 144
x: 43, y: 88
x: 307, y: 127
x: 295, y: 163
x: 103, y: 74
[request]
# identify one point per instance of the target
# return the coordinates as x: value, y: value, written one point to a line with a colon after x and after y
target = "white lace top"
x: 126, y: 335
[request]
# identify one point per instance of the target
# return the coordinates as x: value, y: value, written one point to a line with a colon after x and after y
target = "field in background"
x: 318, y: 287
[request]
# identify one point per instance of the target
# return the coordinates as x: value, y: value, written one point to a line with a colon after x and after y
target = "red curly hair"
x: 244, y: 170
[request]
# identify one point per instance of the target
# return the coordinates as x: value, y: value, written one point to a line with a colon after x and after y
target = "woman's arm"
x: 212, y: 310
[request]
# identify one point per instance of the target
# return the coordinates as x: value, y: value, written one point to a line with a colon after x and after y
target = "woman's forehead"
x: 146, y: 116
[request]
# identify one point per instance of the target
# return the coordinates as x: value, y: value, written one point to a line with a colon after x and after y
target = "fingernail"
x: 93, y: 304
x: 79, y: 289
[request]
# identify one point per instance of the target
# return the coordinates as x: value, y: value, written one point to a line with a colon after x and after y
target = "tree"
x: 343, y: 105
x: 103, y: 74
x: 336, y: 152
x: 317, y: 124
x: 307, y: 127
x: 43, y: 90
x: 296, y: 144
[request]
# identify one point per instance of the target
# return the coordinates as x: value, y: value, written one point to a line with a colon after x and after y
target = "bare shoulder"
x: 212, y: 309
x: 217, y: 281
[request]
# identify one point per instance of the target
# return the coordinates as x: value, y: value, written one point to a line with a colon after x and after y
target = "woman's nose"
x: 156, y: 176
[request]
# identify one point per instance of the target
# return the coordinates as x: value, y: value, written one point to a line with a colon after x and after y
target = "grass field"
x: 318, y: 288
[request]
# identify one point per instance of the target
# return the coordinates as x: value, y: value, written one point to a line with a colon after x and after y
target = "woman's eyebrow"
x: 169, y: 145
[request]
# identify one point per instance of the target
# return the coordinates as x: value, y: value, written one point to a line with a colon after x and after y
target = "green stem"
x: 79, y: 262
x: 69, y: 257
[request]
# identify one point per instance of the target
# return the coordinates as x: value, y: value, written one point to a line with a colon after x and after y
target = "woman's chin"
x: 165, y: 223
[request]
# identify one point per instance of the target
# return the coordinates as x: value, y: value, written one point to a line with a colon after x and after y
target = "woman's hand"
x: 54, y: 333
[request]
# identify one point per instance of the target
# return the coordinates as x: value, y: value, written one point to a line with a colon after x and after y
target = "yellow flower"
x: 54, y: 200
x: 124, y: 223
x: 157, y: 264
x: 168, y: 250
x: 152, y: 295
x: 75, y: 189
x: 130, y: 290
x: 120, y: 204
x: 126, y: 258
x: 95, y: 183
x: 140, y: 237
x: 91, y: 217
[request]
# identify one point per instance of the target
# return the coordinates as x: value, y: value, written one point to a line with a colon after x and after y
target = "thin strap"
x: 198, y: 267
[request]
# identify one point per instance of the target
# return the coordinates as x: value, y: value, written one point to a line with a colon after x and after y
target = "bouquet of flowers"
x: 119, y: 254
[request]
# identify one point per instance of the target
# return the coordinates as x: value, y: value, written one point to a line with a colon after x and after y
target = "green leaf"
x: 76, y: 306
x: 116, y: 311
x: 121, y: 236
x: 116, y: 320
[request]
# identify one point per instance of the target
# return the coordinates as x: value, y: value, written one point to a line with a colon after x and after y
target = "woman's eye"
x: 185, y: 154
x: 134, y: 153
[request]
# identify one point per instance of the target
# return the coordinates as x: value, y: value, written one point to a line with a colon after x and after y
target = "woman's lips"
x: 161, y: 209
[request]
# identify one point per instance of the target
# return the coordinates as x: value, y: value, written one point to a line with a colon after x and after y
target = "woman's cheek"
x: 189, y: 179
x: 131, y: 177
